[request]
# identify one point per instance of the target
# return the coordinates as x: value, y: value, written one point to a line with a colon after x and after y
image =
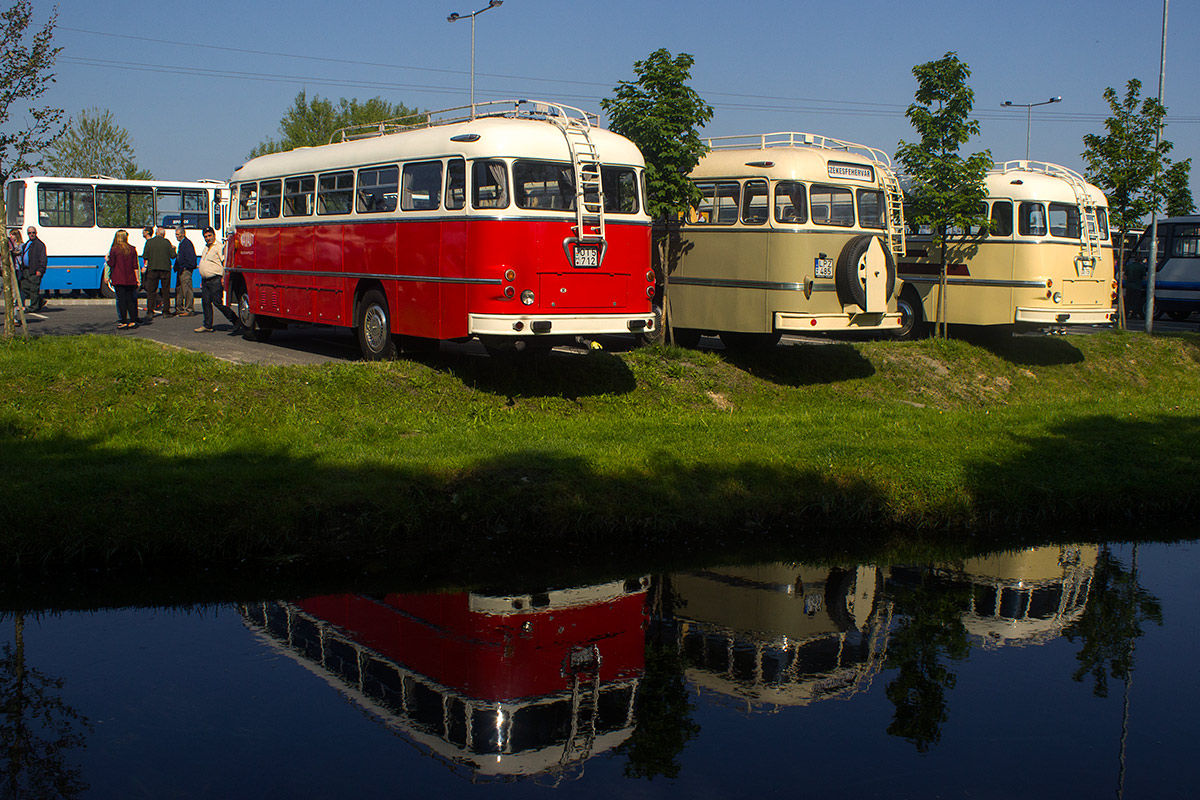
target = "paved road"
x: 306, y: 344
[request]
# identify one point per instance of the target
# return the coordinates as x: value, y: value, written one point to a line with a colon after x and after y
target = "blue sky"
x: 198, y: 85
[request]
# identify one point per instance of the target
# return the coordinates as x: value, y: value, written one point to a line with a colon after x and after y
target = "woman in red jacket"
x: 123, y: 274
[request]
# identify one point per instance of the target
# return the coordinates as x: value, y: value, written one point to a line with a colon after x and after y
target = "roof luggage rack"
x: 511, y: 109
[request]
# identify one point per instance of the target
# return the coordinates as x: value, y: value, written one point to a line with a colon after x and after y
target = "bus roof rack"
x: 510, y: 109
x: 1044, y: 167
x: 764, y: 141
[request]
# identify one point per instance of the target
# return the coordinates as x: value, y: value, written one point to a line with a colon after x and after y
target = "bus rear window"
x: 1064, y: 221
x: 755, y: 203
x: 422, y: 186
x: 620, y: 190
x: 15, y: 203
x: 378, y: 189
x: 456, y: 184
x: 791, y: 203
x: 719, y: 204
x: 65, y: 206
x: 544, y: 185
x: 1032, y: 219
x: 1002, y: 218
x: 489, y: 184
x: 832, y: 205
x: 1102, y: 223
x: 335, y: 193
x: 870, y: 209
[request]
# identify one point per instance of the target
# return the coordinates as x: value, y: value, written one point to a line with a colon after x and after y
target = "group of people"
x: 29, y: 261
x: 125, y: 273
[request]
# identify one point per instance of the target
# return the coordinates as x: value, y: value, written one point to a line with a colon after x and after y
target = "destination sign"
x: 854, y: 172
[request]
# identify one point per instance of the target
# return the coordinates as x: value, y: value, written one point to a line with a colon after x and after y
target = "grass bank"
x: 121, y: 451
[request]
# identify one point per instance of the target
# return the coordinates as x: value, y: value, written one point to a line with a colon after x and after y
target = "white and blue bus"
x: 77, y: 218
x: 1177, y: 275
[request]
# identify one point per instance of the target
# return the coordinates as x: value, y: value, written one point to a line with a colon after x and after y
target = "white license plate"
x: 824, y: 268
x: 1085, y: 272
x: 587, y: 256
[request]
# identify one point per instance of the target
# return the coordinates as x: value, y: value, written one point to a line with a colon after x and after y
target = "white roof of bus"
x: 796, y: 163
x: 1019, y: 181
x: 499, y: 137
x: 203, y: 182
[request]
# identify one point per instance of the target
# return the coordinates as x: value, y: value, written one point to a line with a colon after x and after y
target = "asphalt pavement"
x: 310, y: 344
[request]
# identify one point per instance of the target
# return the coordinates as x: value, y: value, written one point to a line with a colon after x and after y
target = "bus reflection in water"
x: 794, y: 232
x: 498, y: 687
x: 781, y: 634
x: 1047, y: 260
x: 522, y: 224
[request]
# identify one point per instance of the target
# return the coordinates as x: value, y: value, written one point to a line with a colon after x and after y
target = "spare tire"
x: 849, y: 275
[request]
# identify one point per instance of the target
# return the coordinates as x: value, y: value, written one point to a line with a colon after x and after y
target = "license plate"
x: 1085, y: 272
x: 587, y: 256
x: 824, y: 268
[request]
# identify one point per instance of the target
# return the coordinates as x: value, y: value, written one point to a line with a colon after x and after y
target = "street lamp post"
x: 1029, y: 115
x: 456, y: 18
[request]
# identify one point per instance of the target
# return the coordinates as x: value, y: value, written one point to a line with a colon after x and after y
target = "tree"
x: 660, y: 113
x: 947, y: 191
x: 309, y: 123
x: 1124, y: 162
x: 26, y: 71
x: 94, y: 144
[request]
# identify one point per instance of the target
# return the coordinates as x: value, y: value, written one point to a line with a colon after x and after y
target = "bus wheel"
x: 374, y: 327
x: 1179, y: 316
x: 659, y: 334
x: 739, y: 340
x: 912, y: 323
x: 685, y: 337
x: 106, y: 291
x: 249, y: 320
x: 850, y: 264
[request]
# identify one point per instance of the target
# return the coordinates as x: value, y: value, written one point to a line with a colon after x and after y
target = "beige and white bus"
x: 1047, y: 261
x: 795, y: 232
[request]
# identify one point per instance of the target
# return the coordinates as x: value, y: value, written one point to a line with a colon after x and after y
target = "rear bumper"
x: 1066, y: 316
x: 799, y: 323
x: 524, y: 325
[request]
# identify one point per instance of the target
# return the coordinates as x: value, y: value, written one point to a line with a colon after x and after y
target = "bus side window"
x: 1186, y: 242
x: 335, y: 193
x: 1002, y: 218
x: 832, y: 205
x: 489, y: 184
x: 16, y: 204
x: 269, y: 199
x: 1032, y: 219
x: 791, y: 202
x: 755, y: 205
x: 66, y: 206
x: 298, y: 196
x: 456, y: 184
x: 248, y: 201
x: 377, y: 189
x: 718, y: 206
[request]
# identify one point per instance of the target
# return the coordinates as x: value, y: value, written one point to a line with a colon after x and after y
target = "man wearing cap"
x: 212, y: 270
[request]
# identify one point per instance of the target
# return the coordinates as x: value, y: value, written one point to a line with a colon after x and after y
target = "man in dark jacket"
x: 33, y: 267
x: 157, y: 256
x: 185, y: 262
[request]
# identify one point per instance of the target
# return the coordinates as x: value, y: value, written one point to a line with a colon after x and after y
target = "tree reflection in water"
x: 930, y: 627
x: 1116, y: 609
x: 37, y: 729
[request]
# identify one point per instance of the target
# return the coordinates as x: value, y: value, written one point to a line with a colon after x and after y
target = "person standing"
x: 185, y: 262
x: 157, y: 255
x: 33, y: 267
x: 122, y: 274
x: 212, y: 271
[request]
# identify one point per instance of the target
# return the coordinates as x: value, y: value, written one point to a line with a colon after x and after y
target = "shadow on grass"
x: 531, y: 375
x: 1025, y: 351
x: 76, y: 514
x: 802, y: 365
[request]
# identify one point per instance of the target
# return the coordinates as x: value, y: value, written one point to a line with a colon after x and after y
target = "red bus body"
x: 481, y: 238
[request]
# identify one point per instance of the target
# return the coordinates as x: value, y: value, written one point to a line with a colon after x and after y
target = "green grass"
x: 120, y: 451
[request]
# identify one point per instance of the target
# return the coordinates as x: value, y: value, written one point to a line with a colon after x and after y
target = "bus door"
x: 453, y: 250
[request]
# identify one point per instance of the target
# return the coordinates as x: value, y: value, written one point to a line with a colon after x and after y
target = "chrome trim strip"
x: 729, y: 283
x: 374, y: 275
x: 911, y: 278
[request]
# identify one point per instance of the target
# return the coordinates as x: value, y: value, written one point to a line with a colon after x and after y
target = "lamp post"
x: 456, y: 18
x: 1029, y: 115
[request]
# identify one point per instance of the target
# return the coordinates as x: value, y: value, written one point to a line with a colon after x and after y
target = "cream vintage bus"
x: 795, y: 232
x: 1047, y: 261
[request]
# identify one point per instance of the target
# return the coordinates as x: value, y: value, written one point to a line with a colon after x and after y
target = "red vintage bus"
x: 521, y: 223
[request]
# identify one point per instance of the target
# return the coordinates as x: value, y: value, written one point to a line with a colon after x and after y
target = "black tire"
x: 251, y: 323
x: 1179, y: 316
x: 847, y: 274
x: 912, y: 317
x: 659, y: 333
x: 373, y: 323
x: 684, y: 337
x: 739, y: 340
x: 107, y: 292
